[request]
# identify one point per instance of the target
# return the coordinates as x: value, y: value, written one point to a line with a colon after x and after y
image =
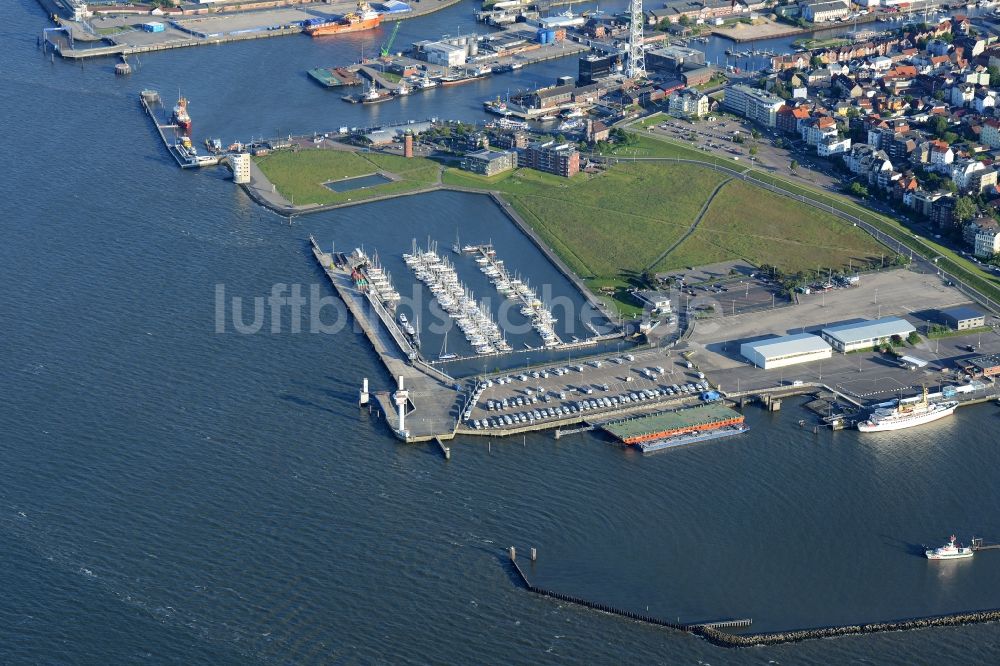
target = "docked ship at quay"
x: 950, y: 551
x: 907, y: 414
x: 365, y: 18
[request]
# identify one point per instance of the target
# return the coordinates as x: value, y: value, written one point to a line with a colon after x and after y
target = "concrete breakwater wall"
x: 779, y: 637
x: 711, y: 632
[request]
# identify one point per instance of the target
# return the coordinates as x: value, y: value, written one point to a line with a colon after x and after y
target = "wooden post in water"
x: 534, y: 554
x: 513, y: 553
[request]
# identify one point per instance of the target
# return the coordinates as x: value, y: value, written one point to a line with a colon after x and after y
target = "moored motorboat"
x: 950, y: 551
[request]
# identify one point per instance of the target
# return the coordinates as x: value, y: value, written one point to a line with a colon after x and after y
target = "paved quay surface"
x: 216, y: 28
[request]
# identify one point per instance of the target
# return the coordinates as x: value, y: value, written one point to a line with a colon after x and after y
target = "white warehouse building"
x: 786, y: 350
x: 866, y: 334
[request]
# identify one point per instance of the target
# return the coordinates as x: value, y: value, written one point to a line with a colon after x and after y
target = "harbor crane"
x: 392, y: 38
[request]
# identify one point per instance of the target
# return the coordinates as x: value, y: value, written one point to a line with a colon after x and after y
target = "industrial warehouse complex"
x: 866, y: 334
x: 778, y: 352
x: 786, y: 350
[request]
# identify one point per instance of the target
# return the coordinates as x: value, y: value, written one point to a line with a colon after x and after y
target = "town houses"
x: 910, y: 117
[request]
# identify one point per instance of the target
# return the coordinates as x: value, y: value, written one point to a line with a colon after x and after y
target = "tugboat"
x: 949, y: 551
x: 373, y: 95
x: 180, y: 116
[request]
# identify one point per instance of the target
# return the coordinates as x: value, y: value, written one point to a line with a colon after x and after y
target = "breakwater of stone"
x: 711, y: 631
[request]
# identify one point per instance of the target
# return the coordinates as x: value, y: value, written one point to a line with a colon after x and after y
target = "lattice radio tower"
x: 636, y: 66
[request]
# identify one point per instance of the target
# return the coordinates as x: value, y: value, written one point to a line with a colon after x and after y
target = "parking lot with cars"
x: 718, y: 138
x: 590, y: 389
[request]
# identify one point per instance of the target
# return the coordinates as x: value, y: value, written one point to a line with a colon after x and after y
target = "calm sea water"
x: 173, y: 495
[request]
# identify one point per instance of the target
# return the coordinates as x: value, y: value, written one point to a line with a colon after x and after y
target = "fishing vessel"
x: 365, y: 18
x: 907, y: 414
x: 180, y: 115
x: 949, y: 551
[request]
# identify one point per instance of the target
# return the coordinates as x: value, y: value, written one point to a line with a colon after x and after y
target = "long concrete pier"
x: 432, y: 412
x: 150, y: 103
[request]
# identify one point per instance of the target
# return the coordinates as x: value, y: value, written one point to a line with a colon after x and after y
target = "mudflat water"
x: 170, y: 494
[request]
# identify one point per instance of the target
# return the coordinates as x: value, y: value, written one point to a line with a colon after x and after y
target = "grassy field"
x: 765, y: 228
x: 986, y: 283
x: 300, y: 175
x: 648, y: 146
x: 947, y: 259
x: 613, y: 223
x: 609, y: 228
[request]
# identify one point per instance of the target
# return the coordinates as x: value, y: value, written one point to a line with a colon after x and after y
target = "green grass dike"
x: 611, y: 227
x: 635, y: 216
x: 300, y: 176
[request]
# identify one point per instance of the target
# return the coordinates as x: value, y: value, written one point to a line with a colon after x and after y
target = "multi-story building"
x: 990, y: 134
x: 962, y: 172
x: 941, y: 155
x: 240, y: 163
x: 833, y: 146
x: 753, y: 103
x: 821, y: 11
x: 987, y: 242
x: 673, y: 58
x: 788, y: 118
x: 489, y: 162
x: 688, y: 103
x: 594, y: 67
x: 818, y: 130
x: 561, y: 159
x: 983, y: 179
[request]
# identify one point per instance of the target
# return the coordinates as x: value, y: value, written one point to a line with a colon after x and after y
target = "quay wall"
x: 126, y: 49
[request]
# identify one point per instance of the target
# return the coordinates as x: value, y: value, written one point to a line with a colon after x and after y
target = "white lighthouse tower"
x: 401, y: 397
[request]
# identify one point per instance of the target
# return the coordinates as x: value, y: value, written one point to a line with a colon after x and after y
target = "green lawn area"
x: 607, y: 225
x: 609, y: 228
x: 300, y: 175
x: 765, y: 228
x: 648, y: 146
x: 948, y: 260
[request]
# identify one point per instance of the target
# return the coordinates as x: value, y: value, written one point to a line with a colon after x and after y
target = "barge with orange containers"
x: 665, y: 430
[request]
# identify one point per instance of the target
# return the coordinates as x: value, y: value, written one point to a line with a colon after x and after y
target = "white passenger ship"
x: 907, y: 415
